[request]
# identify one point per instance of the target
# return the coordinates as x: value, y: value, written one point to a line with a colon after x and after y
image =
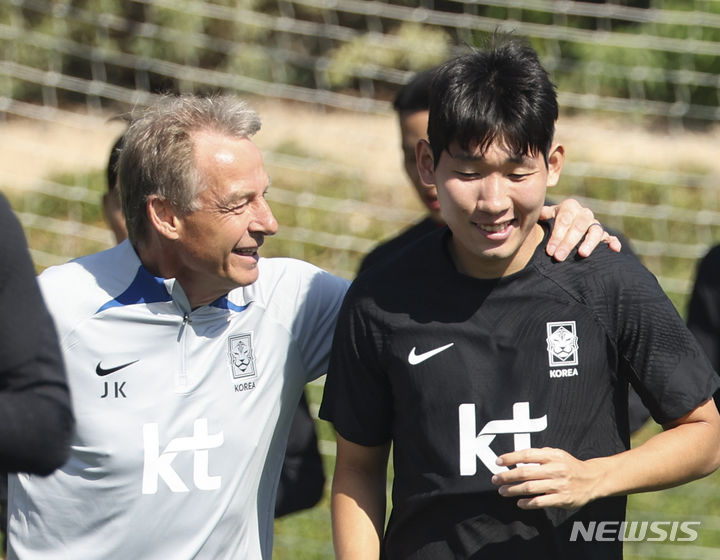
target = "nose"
x: 492, y: 194
x: 263, y: 220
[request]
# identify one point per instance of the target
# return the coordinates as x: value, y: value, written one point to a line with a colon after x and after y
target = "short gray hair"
x: 157, y: 154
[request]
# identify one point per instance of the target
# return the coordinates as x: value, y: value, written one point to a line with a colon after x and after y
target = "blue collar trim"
x: 224, y: 303
x: 145, y: 288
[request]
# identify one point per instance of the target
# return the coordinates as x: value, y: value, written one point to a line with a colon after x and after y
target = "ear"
x: 556, y: 158
x: 162, y: 216
x: 425, y: 162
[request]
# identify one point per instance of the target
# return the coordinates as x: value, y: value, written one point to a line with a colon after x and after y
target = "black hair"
x: 415, y: 95
x: 112, y: 164
x: 499, y: 93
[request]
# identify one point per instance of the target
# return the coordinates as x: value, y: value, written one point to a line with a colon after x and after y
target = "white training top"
x: 182, y: 416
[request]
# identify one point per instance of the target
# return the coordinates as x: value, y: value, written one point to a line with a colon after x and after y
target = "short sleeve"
x: 316, y: 319
x: 666, y: 366
x: 358, y: 396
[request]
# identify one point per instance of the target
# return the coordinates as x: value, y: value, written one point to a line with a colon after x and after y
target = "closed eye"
x: 468, y: 174
x: 519, y: 176
x: 239, y: 207
x: 233, y: 209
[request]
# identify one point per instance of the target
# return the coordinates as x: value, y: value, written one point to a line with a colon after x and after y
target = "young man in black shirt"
x: 412, y: 106
x: 500, y: 375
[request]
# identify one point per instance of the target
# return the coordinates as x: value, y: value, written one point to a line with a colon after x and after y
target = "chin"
x: 241, y: 276
x: 245, y: 280
x: 497, y: 254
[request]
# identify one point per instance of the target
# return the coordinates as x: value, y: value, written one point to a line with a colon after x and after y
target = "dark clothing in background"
x: 391, y: 246
x: 302, y: 479
x: 703, y: 317
x: 36, y: 419
x: 704, y: 308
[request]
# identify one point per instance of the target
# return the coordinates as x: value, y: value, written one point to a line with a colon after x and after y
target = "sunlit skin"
x: 216, y: 247
x: 413, y: 127
x: 491, y: 201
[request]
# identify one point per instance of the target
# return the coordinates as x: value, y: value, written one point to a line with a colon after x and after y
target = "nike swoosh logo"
x: 415, y: 359
x: 101, y: 371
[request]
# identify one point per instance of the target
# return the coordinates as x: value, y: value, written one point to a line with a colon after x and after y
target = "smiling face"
x: 491, y: 201
x: 217, y: 245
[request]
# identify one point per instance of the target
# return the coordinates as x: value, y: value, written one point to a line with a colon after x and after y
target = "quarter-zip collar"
x: 146, y: 288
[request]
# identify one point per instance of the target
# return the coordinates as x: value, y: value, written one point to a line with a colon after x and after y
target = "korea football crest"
x: 240, y: 353
x: 562, y: 344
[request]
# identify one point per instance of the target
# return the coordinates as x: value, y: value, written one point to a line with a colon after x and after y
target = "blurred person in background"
x: 111, y: 204
x: 302, y: 479
x: 703, y: 313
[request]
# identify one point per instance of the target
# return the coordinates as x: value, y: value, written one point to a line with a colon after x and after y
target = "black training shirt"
x: 456, y: 371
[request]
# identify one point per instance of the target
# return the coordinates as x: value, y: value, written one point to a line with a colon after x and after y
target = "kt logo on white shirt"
x: 158, y: 465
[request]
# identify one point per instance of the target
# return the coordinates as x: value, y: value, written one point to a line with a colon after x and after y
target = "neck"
x: 489, y: 268
x: 160, y: 259
x: 151, y: 257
